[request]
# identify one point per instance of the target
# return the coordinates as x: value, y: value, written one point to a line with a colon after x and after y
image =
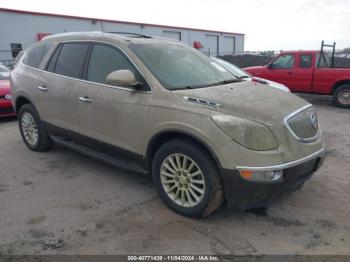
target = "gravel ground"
x: 61, y: 202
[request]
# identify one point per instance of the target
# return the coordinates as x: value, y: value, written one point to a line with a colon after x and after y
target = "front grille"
x: 303, y: 124
x: 6, y: 110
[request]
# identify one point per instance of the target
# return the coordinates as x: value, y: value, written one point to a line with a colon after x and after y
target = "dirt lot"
x: 61, y: 202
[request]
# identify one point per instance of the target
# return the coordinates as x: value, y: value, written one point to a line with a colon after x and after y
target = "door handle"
x: 85, y: 99
x: 290, y: 73
x: 43, y: 88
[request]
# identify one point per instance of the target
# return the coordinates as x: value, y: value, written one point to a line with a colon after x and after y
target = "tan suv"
x: 157, y: 105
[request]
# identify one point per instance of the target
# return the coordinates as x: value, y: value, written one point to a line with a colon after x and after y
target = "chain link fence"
x: 4, y: 58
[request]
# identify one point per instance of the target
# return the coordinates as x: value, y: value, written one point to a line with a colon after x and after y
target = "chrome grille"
x: 303, y: 124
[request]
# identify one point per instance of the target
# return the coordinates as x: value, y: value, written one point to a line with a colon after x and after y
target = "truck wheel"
x: 187, y: 179
x: 341, y: 96
x: 33, y: 130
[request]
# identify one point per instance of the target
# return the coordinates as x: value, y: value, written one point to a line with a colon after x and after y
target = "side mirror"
x: 270, y: 66
x: 124, y: 78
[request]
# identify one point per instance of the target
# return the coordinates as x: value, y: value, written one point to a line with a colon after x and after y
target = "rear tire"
x: 192, y: 192
x: 32, y: 129
x: 341, y: 96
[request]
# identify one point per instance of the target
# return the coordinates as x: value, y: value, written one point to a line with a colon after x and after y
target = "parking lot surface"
x: 62, y: 202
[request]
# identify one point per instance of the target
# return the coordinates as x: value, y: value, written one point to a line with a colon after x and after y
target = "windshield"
x: 236, y: 71
x: 177, y: 66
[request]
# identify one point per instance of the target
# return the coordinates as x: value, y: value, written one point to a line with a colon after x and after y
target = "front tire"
x: 187, y: 179
x: 341, y: 96
x: 32, y: 129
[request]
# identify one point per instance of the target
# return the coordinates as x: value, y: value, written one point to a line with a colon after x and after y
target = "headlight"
x: 8, y: 97
x: 249, y: 134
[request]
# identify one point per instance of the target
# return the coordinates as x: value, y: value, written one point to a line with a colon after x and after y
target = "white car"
x: 241, y: 74
x: 4, y: 72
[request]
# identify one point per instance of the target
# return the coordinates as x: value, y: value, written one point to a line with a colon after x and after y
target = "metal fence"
x: 4, y: 58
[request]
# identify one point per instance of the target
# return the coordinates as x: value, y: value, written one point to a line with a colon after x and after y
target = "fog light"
x: 266, y: 176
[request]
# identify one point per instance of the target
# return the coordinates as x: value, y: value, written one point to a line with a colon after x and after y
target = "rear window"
x: 71, y: 58
x: 305, y: 61
x: 34, y: 55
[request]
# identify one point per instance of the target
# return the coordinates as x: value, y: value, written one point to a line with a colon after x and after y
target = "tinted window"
x: 71, y: 59
x: 104, y: 60
x: 52, y: 63
x: 284, y: 62
x: 305, y: 61
x: 34, y: 55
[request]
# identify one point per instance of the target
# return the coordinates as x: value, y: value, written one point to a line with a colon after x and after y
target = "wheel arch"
x: 340, y: 83
x: 164, y: 136
x: 20, y: 101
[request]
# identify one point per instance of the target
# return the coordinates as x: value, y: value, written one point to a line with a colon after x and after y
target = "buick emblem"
x: 313, y: 119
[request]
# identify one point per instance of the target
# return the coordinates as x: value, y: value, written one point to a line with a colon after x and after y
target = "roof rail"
x: 131, y: 34
x: 166, y: 38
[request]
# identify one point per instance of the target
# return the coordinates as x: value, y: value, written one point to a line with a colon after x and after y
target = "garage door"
x: 229, y: 45
x: 172, y: 34
x: 212, y: 44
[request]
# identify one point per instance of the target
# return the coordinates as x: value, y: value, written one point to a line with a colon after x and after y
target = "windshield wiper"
x: 243, y: 77
x: 225, y: 82
x: 191, y: 87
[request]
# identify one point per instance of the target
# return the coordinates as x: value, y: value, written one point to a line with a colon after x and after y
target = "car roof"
x: 109, y: 36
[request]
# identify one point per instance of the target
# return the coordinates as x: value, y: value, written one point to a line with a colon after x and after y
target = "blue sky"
x: 268, y: 25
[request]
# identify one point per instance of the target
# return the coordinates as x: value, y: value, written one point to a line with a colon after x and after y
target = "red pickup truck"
x: 308, y: 72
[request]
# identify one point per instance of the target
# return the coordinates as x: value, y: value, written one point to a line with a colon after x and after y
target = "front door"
x: 110, y: 114
x: 282, y: 70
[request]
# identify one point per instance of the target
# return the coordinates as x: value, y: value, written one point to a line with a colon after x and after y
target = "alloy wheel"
x: 344, y: 96
x: 30, y: 129
x: 182, y: 180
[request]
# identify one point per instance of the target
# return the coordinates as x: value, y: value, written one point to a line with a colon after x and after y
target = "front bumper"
x: 244, y: 194
x: 6, y: 108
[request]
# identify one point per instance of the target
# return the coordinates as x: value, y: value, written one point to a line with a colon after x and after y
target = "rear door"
x: 282, y: 70
x: 62, y: 84
x: 33, y: 79
x: 110, y: 114
x: 304, y: 73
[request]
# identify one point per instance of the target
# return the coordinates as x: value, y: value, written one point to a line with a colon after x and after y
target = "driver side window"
x: 284, y: 62
x: 104, y: 60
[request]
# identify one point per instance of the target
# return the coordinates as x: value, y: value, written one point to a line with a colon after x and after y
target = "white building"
x: 18, y: 29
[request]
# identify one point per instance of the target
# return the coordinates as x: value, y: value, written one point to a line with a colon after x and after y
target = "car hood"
x: 247, y: 100
x: 4, y: 87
